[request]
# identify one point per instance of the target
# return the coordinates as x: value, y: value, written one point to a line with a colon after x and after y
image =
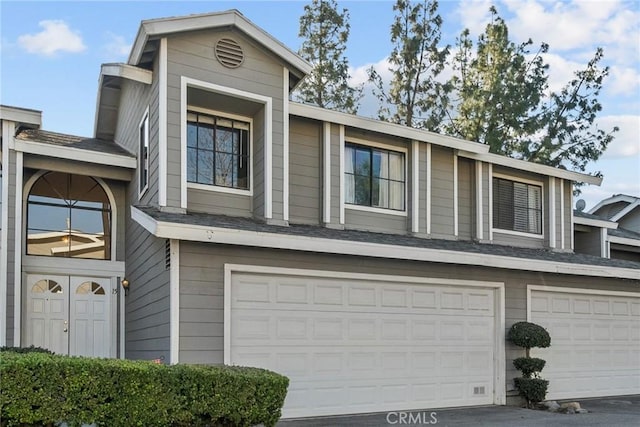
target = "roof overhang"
x: 77, y: 154
x: 497, y: 159
x: 201, y: 233
x: 359, y: 122
x: 626, y: 210
x: 108, y: 97
x: 592, y: 222
x: 614, y: 199
x: 23, y: 116
x: 232, y: 18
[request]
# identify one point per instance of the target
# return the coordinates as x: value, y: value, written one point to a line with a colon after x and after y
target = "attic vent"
x: 167, y: 254
x: 229, y: 53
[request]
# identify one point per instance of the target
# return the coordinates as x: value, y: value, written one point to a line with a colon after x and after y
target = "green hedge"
x: 44, y: 389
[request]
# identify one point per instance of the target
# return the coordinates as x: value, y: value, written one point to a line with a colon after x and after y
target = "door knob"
x: 65, y: 327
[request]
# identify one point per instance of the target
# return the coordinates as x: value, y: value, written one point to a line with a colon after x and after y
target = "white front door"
x: 69, y: 315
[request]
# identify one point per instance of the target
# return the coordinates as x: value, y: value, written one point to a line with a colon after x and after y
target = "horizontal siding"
x: 466, y: 194
x: 192, y: 55
x: 202, y: 289
x: 374, y: 221
x: 441, y: 192
x: 305, y: 181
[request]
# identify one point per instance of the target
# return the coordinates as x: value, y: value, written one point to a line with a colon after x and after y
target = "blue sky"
x: 51, y: 53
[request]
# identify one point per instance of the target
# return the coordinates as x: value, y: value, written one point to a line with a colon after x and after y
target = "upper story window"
x: 517, y: 206
x: 374, y: 177
x: 68, y: 216
x: 218, y: 151
x: 143, y: 154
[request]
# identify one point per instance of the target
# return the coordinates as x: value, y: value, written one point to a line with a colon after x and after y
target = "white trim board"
x: 77, y: 154
x: 126, y: 71
x: 593, y: 222
x: 17, y: 261
x: 199, y: 233
x: 174, y: 302
x: 162, y: 123
x: 285, y: 144
x: 614, y: 199
x: 326, y: 172
x: 623, y: 241
x: 415, y: 187
x: 498, y: 287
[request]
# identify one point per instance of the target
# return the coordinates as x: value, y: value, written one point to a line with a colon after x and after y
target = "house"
x: 611, y: 229
x: 377, y: 266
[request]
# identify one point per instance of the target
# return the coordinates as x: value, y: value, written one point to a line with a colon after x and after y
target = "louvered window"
x: 517, y: 206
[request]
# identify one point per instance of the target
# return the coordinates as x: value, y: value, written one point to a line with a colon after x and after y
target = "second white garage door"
x: 595, y: 341
x: 351, y: 345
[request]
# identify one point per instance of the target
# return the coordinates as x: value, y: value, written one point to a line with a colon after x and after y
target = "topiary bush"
x: 529, y: 335
x: 529, y: 366
x: 530, y: 385
x: 45, y: 389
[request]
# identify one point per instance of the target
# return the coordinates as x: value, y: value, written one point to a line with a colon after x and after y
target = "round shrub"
x: 529, y: 366
x: 529, y: 335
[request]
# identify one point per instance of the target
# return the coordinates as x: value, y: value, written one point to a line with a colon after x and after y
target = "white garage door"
x: 595, y: 343
x: 351, y: 346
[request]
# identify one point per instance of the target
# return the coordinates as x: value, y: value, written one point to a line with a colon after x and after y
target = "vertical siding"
x: 305, y: 171
x: 465, y: 199
x: 192, y: 55
x: 442, y: 192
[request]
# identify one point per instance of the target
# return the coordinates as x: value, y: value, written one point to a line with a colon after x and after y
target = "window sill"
x: 214, y: 188
x: 517, y: 233
x: 375, y: 210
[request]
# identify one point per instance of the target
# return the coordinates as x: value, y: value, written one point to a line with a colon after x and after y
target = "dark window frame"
x: 511, y: 206
x: 239, y: 152
x: 371, y: 176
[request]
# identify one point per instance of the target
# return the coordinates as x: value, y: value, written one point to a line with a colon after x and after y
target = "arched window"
x: 68, y: 216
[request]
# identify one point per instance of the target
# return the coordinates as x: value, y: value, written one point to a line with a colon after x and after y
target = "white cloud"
x: 117, y: 47
x: 623, y: 81
x: 55, y: 37
x: 474, y: 14
x: 627, y: 142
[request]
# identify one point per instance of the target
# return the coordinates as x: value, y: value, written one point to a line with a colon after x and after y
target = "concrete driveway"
x: 609, y: 412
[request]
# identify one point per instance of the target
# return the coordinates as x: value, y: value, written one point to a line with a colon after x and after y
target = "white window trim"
x: 144, y: 121
x: 219, y: 188
x: 186, y: 82
x: 415, y: 190
x: 387, y: 147
x: 341, y: 139
x: 542, y: 207
x: 552, y: 212
x: 326, y: 171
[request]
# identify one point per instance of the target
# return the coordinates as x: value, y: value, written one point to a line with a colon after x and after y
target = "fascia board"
x: 71, y: 153
x: 532, y: 167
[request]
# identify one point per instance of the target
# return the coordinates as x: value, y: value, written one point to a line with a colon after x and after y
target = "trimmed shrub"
x: 529, y: 366
x: 30, y: 349
x: 43, y: 389
x: 529, y: 335
x: 534, y: 390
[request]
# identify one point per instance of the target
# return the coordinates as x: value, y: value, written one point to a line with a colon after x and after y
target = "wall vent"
x: 229, y: 53
x: 167, y: 254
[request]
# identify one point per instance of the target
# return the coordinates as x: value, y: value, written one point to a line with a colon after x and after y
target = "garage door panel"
x: 357, y: 346
x: 595, y: 350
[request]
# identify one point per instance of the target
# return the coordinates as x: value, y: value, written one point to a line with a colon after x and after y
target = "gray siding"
x: 305, y: 171
x: 191, y: 55
x: 134, y: 100
x: 441, y: 192
x: 631, y: 221
x: 466, y: 193
x: 202, y: 289
x: 588, y: 242
x: 335, y: 174
x: 10, y: 174
x: 568, y: 213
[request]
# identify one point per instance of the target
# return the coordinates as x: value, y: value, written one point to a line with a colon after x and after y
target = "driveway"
x: 610, y: 412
